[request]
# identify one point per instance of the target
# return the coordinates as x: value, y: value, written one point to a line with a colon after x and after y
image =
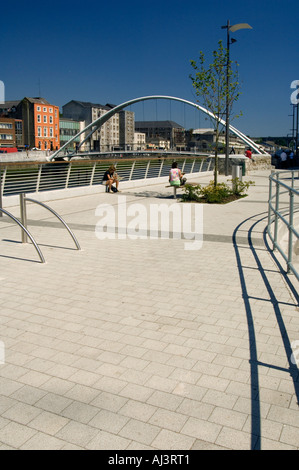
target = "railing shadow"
x: 254, y: 361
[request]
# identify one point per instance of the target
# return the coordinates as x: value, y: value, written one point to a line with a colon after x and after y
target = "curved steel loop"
x: 58, y: 216
x: 26, y: 231
x: 101, y: 120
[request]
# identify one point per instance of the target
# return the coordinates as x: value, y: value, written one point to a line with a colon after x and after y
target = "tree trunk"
x: 216, y: 158
x: 216, y: 168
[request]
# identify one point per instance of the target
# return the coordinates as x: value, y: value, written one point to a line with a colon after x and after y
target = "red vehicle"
x: 8, y: 149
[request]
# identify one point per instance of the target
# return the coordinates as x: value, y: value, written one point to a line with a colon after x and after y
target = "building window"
x: 39, y: 118
x: 45, y: 119
x: 5, y: 125
x: 45, y: 132
x: 39, y: 131
x: 51, y: 119
x: 38, y: 108
x: 50, y: 110
x: 5, y: 136
x: 45, y: 110
x: 51, y: 131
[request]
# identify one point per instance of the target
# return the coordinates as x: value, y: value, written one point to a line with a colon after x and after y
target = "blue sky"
x: 111, y: 52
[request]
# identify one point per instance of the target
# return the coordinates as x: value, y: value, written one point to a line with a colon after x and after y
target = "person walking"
x: 283, y: 159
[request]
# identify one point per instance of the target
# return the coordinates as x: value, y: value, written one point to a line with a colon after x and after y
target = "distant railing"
x: 282, y: 228
x: 38, y: 177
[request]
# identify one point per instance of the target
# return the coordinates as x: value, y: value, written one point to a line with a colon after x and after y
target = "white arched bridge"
x: 95, y: 125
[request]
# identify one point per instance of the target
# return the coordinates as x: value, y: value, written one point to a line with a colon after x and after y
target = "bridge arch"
x: 92, y: 127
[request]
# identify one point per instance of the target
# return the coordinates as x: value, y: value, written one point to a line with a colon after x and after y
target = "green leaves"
x: 217, y: 85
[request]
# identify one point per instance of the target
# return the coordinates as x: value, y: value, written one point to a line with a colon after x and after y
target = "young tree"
x: 218, y: 86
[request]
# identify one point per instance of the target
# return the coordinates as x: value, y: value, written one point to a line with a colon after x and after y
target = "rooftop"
x: 166, y: 124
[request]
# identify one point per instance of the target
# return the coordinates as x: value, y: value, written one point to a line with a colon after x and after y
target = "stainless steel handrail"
x: 24, y: 229
x: 32, y: 177
x: 58, y: 216
x: 276, y: 213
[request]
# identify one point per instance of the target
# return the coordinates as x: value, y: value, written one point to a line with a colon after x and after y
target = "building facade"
x: 126, y: 130
x: 204, y: 140
x: 40, y: 123
x: 68, y: 128
x: 115, y: 134
x: 139, y: 141
x: 166, y: 131
x: 7, y: 132
x: 11, y: 128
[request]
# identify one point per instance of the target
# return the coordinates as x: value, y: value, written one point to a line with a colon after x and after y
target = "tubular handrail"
x: 276, y: 213
x: 58, y: 216
x: 36, y: 177
x: 27, y: 233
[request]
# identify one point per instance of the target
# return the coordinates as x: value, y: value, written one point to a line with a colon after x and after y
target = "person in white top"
x: 283, y: 159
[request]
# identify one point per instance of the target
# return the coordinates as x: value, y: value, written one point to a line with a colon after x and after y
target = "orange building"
x: 41, y: 124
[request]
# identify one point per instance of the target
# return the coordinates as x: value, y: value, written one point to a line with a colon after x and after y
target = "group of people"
x: 286, y: 159
x: 111, y: 178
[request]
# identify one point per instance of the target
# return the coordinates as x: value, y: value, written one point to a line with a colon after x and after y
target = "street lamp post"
x: 229, y: 28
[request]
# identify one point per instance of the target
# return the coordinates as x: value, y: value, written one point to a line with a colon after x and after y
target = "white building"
x: 117, y: 132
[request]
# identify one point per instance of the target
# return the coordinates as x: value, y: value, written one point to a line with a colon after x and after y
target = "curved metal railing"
x: 283, y: 229
x: 24, y: 230
x: 58, y: 217
x: 23, y: 223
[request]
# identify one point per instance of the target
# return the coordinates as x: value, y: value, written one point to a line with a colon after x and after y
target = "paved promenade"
x: 144, y: 344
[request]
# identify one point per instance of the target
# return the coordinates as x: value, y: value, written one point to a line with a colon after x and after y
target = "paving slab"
x: 143, y: 339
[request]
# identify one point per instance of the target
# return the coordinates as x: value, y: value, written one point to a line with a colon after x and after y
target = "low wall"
x: 30, y: 156
x: 258, y: 162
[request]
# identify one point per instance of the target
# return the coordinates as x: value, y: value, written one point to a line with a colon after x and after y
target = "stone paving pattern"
x: 141, y: 344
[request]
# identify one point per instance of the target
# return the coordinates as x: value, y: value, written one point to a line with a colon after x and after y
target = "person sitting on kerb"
x: 110, y: 177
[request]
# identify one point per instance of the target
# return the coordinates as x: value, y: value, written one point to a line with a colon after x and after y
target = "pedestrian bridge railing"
x: 283, y: 217
x: 38, y: 177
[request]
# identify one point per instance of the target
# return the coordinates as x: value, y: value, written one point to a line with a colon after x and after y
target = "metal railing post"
x: 276, y: 212
x: 92, y: 173
x: 23, y: 216
x: 132, y: 169
x: 201, y: 165
x: 269, y: 205
x: 161, y: 166
x: 39, y: 178
x: 192, y: 167
x: 291, y: 221
x: 147, y: 168
x: 68, y: 175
